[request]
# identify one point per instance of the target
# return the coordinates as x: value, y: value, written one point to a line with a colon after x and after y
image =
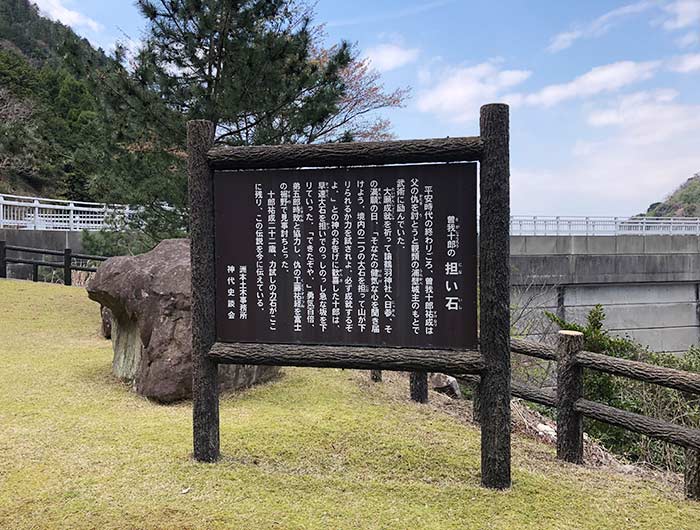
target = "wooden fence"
x: 66, y: 263
x: 572, y: 406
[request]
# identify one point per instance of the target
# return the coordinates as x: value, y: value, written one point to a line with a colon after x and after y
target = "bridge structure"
x: 645, y: 271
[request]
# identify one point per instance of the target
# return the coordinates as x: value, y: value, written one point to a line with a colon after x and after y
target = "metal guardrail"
x: 33, y: 213
x: 602, y: 226
x: 66, y: 263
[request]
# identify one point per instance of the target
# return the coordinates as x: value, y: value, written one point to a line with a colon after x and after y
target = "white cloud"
x: 599, y: 26
x: 689, y: 39
x: 685, y: 63
x: 57, y: 11
x: 682, y: 13
x: 600, y: 79
x: 387, y: 57
x: 460, y: 91
x: 645, y: 146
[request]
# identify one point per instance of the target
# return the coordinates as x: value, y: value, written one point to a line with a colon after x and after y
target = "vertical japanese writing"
x: 336, y: 278
x: 374, y: 272
x: 322, y: 255
x: 243, y: 290
x: 416, y: 271
x: 401, y: 213
x: 373, y: 256
x: 429, y: 288
x: 284, y: 225
x: 297, y: 273
x: 309, y: 209
x: 388, y: 269
x: 272, y: 253
x: 348, y: 251
x: 259, y: 249
x: 453, y: 267
x: 231, y: 292
x: 361, y: 236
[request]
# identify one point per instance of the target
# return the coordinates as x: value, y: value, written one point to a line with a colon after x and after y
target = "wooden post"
x: 476, y: 404
x: 3, y: 260
x: 205, y: 389
x: 494, y: 292
x: 35, y: 272
x: 569, y: 390
x: 419, y: 387
x: 691, y: 474
x: 67, y: 267
x: 376, y: 376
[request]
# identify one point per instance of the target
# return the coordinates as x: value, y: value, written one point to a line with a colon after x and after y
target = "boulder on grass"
x: 150, y: 299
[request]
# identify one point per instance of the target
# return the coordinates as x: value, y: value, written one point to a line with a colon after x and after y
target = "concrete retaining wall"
x: 648, y: 285
x: 43, y: 239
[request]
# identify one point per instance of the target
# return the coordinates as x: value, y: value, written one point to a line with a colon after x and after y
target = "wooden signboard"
x: 380, y: 256
x: 367, y: 262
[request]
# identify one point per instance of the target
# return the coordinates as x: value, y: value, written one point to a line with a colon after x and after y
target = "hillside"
x: 316, y: 449
x: 684, y: 202
x: 49, y: 109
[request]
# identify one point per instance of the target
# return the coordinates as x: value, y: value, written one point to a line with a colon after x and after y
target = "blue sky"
x: 605, y: 106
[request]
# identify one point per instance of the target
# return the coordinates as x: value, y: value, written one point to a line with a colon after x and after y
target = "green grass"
x: 315, y: 449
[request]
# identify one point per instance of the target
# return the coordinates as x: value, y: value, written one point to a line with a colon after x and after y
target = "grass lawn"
x: 315, y: 449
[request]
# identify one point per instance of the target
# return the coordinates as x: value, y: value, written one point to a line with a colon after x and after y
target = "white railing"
x: 33, y: 213
x: 603, y: 226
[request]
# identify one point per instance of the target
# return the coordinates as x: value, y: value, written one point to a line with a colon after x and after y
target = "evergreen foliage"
x: 77, y: 124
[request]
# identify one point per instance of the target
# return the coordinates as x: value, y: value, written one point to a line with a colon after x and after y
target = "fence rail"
x: 603, y: 226
x: 33, y: 213
x: 66, y: 263
x: 572, y: 406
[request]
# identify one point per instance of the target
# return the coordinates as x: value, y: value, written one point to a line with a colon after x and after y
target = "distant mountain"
x: 23, y: 30
x: 54, y: 121
x: 684, y: 202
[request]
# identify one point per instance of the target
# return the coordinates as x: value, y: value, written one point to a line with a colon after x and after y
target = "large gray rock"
x: 149, y: 297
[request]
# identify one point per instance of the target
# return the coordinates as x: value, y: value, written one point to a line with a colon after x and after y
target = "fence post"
x: 3, y: 258
x: 35, y: 272
x: 205, y: 385
x: 71, y: 210
x: 67, y: 265
x: 36, y: 215
x: 569, y: 390
x: 494, y: 294
x: 419, y: 387
x: 691, y: 474
x: 376, y: 376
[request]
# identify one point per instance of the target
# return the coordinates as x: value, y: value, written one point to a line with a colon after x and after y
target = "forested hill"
x: 39, y: 39
x: 53, y: 117
x: 683, y: 202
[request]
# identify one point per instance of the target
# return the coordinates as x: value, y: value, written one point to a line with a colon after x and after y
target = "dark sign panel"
x: 382, y: 256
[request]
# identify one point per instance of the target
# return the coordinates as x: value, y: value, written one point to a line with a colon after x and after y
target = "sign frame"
x: 491, y: 360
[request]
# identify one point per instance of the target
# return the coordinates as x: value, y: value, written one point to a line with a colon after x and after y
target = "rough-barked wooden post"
x: 67, y: 267
x: 205, y: 388
x: 494, y: 281
x: 569, y: 390
x: 476, y: 403
x: 3, y: 258
x: 376, y: 376
x: 691, y: 474
x: 419, y: 387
